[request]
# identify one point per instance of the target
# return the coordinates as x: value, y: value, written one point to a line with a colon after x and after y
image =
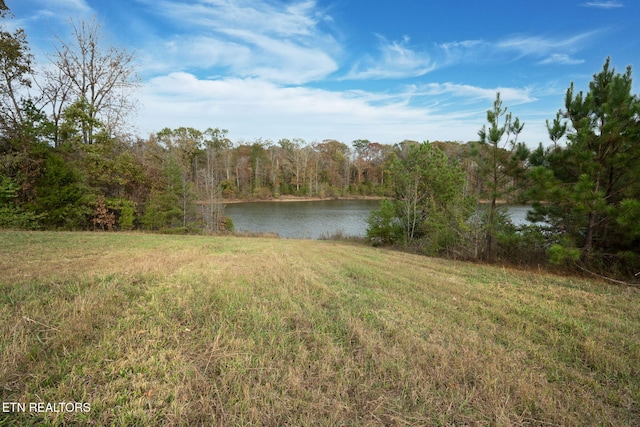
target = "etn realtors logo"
x: 46, y: 407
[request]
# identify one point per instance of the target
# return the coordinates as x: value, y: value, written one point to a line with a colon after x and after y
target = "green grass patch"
x: 193, y: 330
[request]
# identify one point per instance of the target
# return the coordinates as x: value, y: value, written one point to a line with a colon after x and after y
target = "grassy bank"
x: 189, y: 330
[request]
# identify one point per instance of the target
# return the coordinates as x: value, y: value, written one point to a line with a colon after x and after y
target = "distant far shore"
x: 289, y: 198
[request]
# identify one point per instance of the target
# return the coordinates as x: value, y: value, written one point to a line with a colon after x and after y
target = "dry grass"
x: 177, y: 330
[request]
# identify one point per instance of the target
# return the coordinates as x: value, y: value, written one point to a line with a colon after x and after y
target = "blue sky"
x: 349, y: 69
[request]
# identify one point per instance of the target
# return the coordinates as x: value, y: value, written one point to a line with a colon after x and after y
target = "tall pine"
x: 592, y: 185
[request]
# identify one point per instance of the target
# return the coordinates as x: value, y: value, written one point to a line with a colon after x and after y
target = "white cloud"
x: 542, y: 46
x: 77, y: 6
x: 280, y: 43
x: 61, y: 10
x: 54, y: 15
x: 248, y: 102
x: 272, y: 48
x: 296, y: 19
x: 284, y: 61
x: 474, y: 93
x: 274, y: 60
x: 604, y: 4
x: 546, y: 49
x: 395, y: 60
x: 464, y: 51
x: 561, y: 59
x: 254, y: 108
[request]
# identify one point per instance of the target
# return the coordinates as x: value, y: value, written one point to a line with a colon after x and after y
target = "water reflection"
x: 304, y: 219
x: 314, y: 219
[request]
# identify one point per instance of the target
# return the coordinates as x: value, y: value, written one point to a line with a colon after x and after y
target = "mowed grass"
x: 191, y: 330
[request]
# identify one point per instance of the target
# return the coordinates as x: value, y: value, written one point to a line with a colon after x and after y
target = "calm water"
x: 311, y: 220
x: 518, y: 214
x: 303, y: 220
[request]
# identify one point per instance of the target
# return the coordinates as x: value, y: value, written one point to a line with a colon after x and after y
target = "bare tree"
x: 102, y: 78
x: 55, y: 92
x: 213, y: 209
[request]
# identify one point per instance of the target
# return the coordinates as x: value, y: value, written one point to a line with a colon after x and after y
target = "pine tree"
x: 499, y: 163
x: 592, y: 185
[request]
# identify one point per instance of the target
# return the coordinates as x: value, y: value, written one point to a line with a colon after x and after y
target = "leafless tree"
x: 101, y: 77
x: 213, y: 208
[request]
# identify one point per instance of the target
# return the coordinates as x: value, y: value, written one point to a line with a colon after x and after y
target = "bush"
x: 303, y: 191
x: 228, y: 188
x: 228, y: 224
x: 127, y: 214
x: 11, y: 214
x: 18, y: 218
x: 63, y: 201
x: 262, y: 193
x: 103, y: 217
x: 525, y: 245
x: 563, y: 253
x: 384, y: 227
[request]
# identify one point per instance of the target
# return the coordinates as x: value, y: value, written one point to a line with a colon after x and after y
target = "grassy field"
x: 191, y: 330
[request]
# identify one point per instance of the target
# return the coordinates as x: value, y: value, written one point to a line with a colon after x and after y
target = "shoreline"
x: 288, y: 198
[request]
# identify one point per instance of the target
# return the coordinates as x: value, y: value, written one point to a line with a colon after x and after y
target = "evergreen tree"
x: 499, y: 160
x: 62, y: 199
x: 592, y: 186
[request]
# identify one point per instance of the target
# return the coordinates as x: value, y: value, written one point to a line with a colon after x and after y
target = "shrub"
x: 526, y: 245
x: 228, y: 224
x: 11, y: 214
x: 384, y: 227
x: 102, y: 216
x: 563, y: 253
x: 127, y: 214
x: 262, y: 193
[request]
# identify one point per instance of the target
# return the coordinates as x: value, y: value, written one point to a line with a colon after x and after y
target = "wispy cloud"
x: 61, y: 9
x: 81, y: 6
x: 604, y: 4
x: 296, y: 19
x: 275, y: 111
x: 542, y: 46
x: 547, y: 50
x: 464, y: 51
x: 473, y: 93
x: 395, y: 60
x: 561, y: 59
x: 260, y: 39
x: 244, y: 65
x: 432, y: 111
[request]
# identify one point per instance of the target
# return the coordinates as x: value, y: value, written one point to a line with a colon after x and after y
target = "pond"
x: 303, y: 219
x: 315, y: 219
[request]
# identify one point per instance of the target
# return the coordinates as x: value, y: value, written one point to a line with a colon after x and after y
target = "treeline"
x: 67, y: 161
x: 585, y: 191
